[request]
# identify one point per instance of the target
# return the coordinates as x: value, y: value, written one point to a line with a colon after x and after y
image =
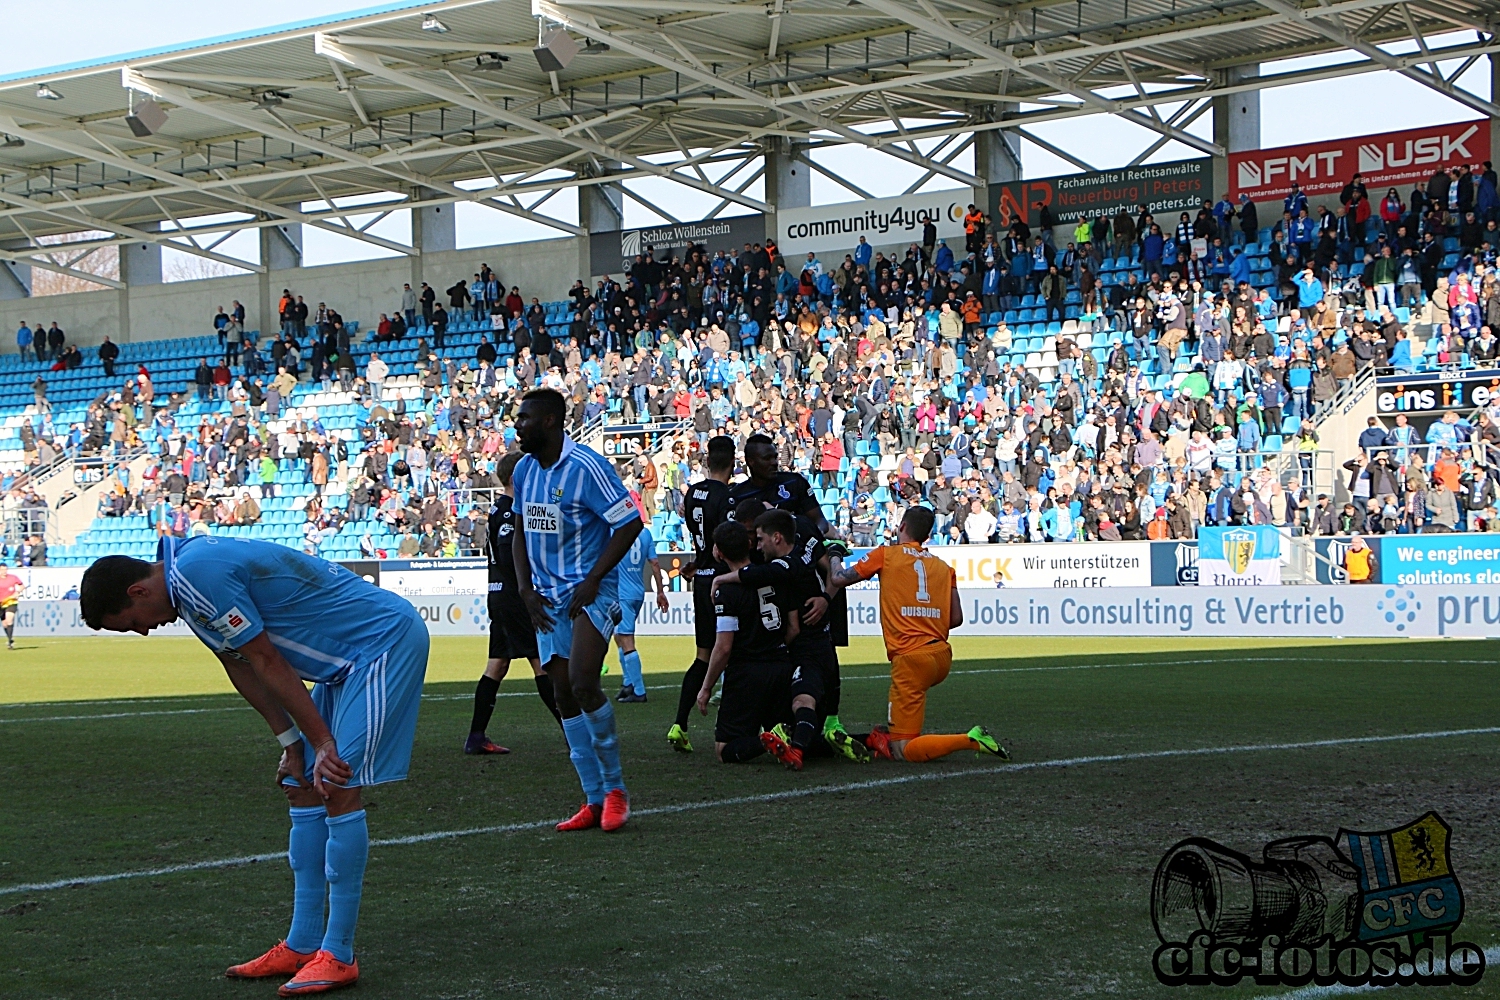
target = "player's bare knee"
x: 496, y: 670
x: 587, y: 693
x: 302, y: 798
x: 804, y: 701
x: 719, y: 752
x: 342, y: 800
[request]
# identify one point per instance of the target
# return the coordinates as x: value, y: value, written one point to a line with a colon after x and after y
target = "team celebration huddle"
x: 569, y: 557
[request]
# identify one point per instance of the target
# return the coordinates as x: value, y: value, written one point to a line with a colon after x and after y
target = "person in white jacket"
x: 375, y: 374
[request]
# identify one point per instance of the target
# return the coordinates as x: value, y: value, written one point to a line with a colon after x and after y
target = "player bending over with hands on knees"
x: 750, y: 652
x: 276, y: 618
x: 918, y: 607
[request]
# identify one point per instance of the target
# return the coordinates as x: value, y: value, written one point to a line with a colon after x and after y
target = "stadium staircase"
x: 172, y: 364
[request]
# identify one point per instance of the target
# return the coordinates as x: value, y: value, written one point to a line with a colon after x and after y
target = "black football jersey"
x: 787, y: 491
x: 795, y: 577
x: 705, y: 507
x: 502, y: 529
x: 758, y: 619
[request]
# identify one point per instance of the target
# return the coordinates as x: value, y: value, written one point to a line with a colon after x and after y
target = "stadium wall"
x: 1382, y: 612
x: 359, y: 290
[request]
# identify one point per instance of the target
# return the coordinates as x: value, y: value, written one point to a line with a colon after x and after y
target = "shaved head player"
x: 918, y: 606
x: 577, y: 523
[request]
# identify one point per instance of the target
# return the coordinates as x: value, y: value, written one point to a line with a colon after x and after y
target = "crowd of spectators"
x: 1175, y: 394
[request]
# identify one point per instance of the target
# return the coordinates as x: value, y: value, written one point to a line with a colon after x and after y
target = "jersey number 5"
x: 770, y: 614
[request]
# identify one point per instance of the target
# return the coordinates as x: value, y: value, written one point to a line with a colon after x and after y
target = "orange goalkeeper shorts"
x: 912, y: 674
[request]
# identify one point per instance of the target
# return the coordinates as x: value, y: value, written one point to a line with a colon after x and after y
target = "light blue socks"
x: 585, y: 760
x: 630, y: 666
x: 348, y: 850
x: 305, y: 854
x: 601, y: 724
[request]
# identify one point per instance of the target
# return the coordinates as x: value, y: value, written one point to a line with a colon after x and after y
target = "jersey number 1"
x: 921, y: 571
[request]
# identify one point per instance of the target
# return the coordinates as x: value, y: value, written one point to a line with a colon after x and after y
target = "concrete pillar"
x: 280, y: 250
x: 281, y: 246
x: 140, y: 265
x: 601, y: 207
x: 1236, y: 124
x: 432, y: 230
x: 997, y: 159
x: 788, y: 179
x: 15, y: 280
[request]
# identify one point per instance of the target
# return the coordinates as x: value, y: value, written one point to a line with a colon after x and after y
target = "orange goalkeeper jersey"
x: 916, y: 594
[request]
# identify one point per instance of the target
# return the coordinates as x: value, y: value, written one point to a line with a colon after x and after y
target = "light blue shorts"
x: 373, y: 712
x: 604, y: 613
x: 630, y: 611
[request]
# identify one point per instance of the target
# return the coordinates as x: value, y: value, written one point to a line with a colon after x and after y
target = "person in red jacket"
x: 831, y: 456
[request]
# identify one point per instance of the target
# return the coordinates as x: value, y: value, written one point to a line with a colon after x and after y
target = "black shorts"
x: 815, y: 671
x: 512, y: 636
x: 756, y: 696
x: 705, y: 623
x: 838, y: 618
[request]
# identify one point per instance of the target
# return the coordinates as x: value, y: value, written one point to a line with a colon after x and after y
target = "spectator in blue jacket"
x: 23, y: 340
x: 1295, y: 202
x: 1309, y: 288
x: 863, y: 253
x: 1239, y: 267
x: 943, y: 260
x: 1248, y: 440
x: 1372, y: 437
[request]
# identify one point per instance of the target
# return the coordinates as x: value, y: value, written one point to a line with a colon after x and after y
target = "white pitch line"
x: 128, y: 715
x: 791, y: 793
x: 851, y: 677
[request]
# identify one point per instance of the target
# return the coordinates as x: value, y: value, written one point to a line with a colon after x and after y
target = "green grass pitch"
x: 122, y: 755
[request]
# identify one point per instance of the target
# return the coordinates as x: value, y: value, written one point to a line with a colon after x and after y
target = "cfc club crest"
x: 1239, y: 549
x: 1360, y: 909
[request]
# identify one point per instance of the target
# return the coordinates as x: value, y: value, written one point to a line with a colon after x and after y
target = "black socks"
x: 692, y: 683
x: 740, y: 750
x: 807, y: 728
x: 484, y: 703
x: 549, y: 696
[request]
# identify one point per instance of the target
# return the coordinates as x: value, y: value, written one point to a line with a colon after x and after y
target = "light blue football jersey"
x: 568, y: 513
x: 324, y: 619
x: 632, y: 567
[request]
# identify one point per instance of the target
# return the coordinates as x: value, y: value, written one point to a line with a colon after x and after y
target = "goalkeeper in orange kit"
x: 918, y: 606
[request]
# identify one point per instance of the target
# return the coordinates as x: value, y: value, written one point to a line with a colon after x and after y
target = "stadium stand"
x: 1028, y: 393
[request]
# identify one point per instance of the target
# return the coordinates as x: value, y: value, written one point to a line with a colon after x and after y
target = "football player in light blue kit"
x: 275, y: 618
x: 632, y: 574
x: 577, y: 522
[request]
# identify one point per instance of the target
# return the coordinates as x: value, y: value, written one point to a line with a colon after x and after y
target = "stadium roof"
x: 261, y: 123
